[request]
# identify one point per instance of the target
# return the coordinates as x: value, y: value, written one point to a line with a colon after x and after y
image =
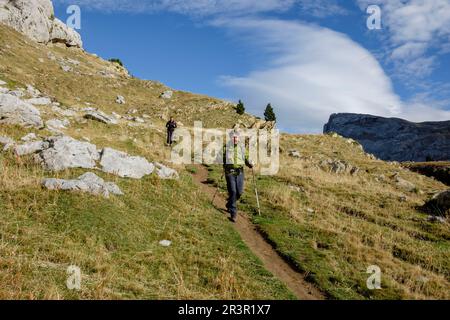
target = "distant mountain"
x: 394, y: 139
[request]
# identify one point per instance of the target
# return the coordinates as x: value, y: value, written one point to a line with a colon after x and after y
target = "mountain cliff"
x: 394, y: 139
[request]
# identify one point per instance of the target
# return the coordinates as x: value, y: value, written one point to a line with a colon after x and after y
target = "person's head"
x: 235, y: 138
x: 172, y: 119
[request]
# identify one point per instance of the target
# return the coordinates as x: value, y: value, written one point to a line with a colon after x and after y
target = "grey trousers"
x: 235, y: 186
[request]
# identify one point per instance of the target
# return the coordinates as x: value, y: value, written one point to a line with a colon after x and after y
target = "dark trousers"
x: 170, y: 136
x: 235, y: 186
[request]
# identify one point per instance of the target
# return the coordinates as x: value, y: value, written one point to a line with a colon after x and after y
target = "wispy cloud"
x: 317, y: 8
x: 418, y: 31
x: 316, y: 72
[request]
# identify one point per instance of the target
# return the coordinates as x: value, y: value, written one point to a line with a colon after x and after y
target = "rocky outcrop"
x: 439, y: 204
x: 65, y: 153
x: 88, y: 183
x: 125, y: 166
x: 15, y: 111
x: 100, y: 117
x: 35, y: 19
x: 394, y: 139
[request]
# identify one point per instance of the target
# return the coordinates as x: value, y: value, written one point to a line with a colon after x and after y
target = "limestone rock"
x: 15, y: 111
x: 6, y: 143
x: 88, y: 183
x: 35, y: 19
x: 101, y: 117
x: 439, y: 203
x: 65, y: 152
x: 61, y: 33
x: 120, y: 100
x: 56, y: 125
x: 164, y: 172
x: 394, y: 139
x: 30, y: 148
x: 44, y: 101
x: 121, y: 164
x: 167, y: 94
x: 29, y: 137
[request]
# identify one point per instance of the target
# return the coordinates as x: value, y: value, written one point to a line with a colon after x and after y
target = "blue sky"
x: 308, y: 58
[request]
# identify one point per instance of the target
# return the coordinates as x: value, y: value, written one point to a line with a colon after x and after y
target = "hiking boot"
x: 233, y: 219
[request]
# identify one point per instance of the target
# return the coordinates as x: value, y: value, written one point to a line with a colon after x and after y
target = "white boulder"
x: 125, y: 166
x: 15, y: 111
x: 65, y: 152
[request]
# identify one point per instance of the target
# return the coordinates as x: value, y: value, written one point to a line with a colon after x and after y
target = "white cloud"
x: 315, y: 72
x: 415, y: 28
x: 317, y: 8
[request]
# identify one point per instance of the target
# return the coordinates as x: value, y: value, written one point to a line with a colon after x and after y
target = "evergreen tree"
x: 240, y: 108
x: 269, y: 114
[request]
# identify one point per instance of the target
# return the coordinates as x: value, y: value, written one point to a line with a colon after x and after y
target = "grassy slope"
x: 357, y: 222
x: 115, y: 241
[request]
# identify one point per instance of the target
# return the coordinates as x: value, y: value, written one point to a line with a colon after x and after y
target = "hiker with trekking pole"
x: 234, y: 158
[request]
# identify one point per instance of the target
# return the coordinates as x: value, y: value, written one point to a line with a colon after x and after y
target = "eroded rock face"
x: 15, y: 111
x: 65, y: 152
x: 125, y: 166
x: 88, y: 183
x: 394, y: 139
x: 439, y: 204
x: 35, y: 19
x: 100, y: 117
x: 30, y: 148
x: 165, y: 173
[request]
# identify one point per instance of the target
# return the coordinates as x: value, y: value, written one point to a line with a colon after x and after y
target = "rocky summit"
x: 36, y: 19
x: 394, y: 139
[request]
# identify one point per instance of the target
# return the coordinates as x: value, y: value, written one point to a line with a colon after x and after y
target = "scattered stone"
x: 439, y: 203
x: 65, y: 152
x: 32, y: 91
x: 40, y: 101
x: 66, y: 68
x: 15, y: 111
x: 123, y: 165
x: 101, y: 117
x: 404, y: 184
x: 56, y: 124
x: 164, y: 172
x: 294, y: 154
x: 64, y: 112
x: 2, y: 83
x: 6, y: 143
x: 120, y: 100
x: 29, y: 137
x: 436, y: 219
x: 165, y: 243
x: 138, y: 120
x: 310, y: 211
x: 30, y: 148
x: 132, y: 111
x: 88, y: 183
x: 167, y: 94
x: 339, y: 167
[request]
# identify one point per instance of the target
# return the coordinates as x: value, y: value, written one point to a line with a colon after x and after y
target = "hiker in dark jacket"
x: 171, y: 126
x: 234, y: 158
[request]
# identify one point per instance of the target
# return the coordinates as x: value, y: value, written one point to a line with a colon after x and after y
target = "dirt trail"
x: 272, y: 261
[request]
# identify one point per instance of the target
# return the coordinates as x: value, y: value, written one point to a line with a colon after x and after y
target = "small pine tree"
x: 269, y: 114
x: 240, y: 108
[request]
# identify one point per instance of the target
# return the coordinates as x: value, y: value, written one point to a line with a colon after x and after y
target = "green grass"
x: 115, y: 242
x: 357, y: 222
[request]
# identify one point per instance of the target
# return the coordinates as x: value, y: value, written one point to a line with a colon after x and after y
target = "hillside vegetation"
x: 330, y: 225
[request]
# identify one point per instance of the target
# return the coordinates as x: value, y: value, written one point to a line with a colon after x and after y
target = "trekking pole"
x: 256, y: 192
x: 217, y: 190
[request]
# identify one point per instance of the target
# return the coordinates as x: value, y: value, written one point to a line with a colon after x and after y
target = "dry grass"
x: 334, y: 226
